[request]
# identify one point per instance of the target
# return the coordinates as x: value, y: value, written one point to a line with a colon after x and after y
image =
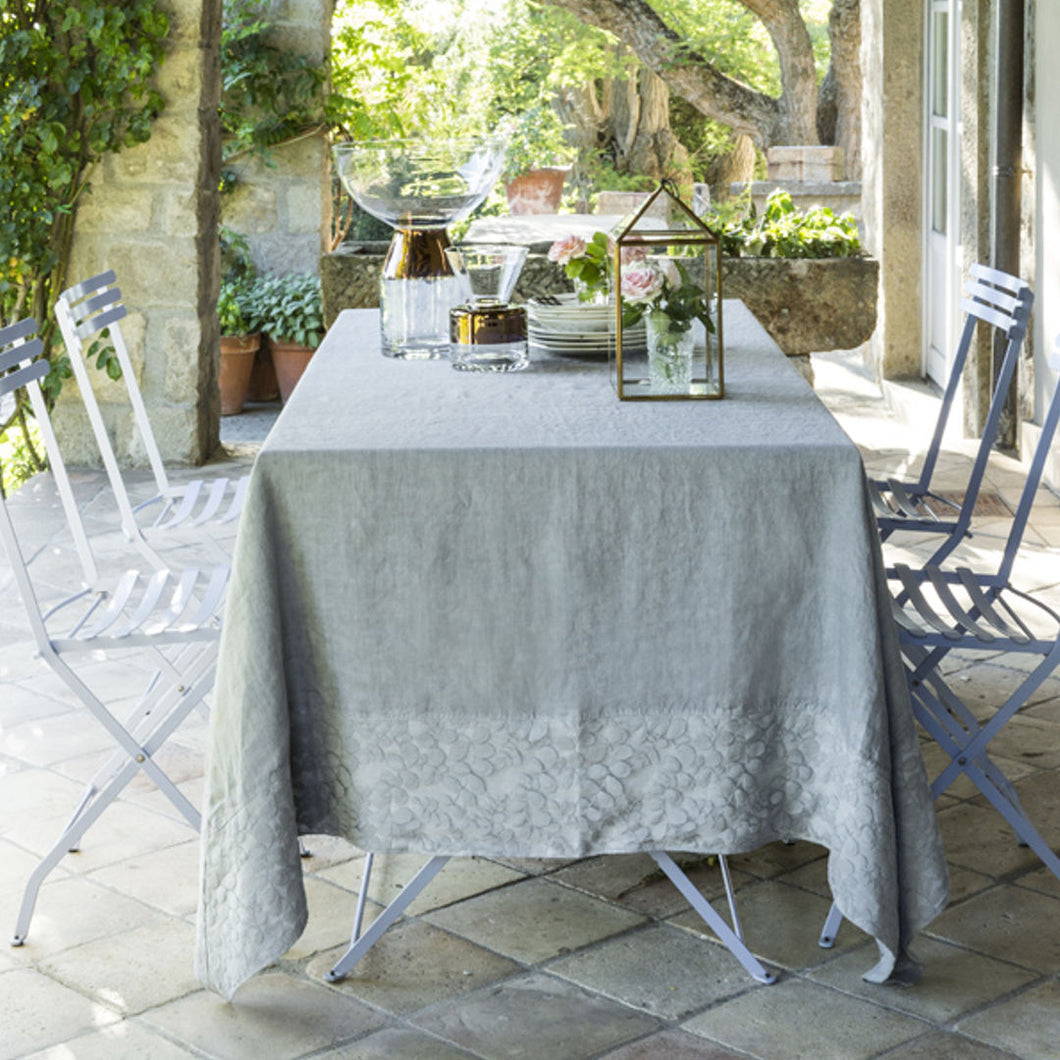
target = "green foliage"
x: 783, y: 231
x: 19, y: 459
x: 75, y: 86
x: 535, y: 140
x: 268, y: 95
x: 234, y: 308
x: 289, y: 308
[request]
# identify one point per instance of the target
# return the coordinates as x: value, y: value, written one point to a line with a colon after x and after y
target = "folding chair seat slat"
x: 212, y: 596
x: 84, y: 311
x: 968, y: 622
x: 911, y: 589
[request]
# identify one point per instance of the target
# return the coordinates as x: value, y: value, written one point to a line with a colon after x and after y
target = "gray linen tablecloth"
x: 509, y: 614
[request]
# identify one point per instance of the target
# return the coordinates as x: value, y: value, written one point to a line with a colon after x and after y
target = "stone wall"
x: 283, y: 207
x: 151, y: 215
x: 806, y: 305
x: 892, y: 158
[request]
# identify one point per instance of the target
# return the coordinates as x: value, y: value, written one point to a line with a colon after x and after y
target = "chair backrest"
x: 1003, y: 302
x: 1034, y: 473
x: 84, y: 312
x: 22, y: 365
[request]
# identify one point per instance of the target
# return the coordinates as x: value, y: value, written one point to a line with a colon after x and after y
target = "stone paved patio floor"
x: 507, y: 959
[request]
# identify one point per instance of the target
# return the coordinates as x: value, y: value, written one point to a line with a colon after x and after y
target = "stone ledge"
x: 806, y: 305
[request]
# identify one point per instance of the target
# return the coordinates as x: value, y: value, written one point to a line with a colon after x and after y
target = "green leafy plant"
x: 536, y: 139
x: 75, y: 86
x: 269, y: 95
x: 783, y: 231
x: 586, y: 263
x: 289, y: 308
x: 236, y: 308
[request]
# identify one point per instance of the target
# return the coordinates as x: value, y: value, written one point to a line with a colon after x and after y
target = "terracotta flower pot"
x: 233, y: 377
x: 263, y: 383
x: 537, y: 191
x: 290, y: 360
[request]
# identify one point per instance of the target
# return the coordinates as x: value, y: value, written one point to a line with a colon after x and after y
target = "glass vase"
x: 670, y: 348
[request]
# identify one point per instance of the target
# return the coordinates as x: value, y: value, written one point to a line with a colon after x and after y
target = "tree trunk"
x: 844, y: 31
x: 798, y: 75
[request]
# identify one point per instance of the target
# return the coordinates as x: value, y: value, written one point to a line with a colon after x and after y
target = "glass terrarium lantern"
x: 419, y: 187
x: 667, y: 333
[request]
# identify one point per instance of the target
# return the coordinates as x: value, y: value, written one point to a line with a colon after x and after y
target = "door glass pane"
x: 939, y: 179
x: 940, y: 65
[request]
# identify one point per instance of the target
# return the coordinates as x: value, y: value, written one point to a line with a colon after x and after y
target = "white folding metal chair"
x: 731, y: 937
x: 93, y: 309
x: 172, y: 615
x: 941, y: 610
x: 1002, y: 303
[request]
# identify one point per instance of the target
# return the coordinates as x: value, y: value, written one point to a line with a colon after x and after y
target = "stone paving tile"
x: 127, y: 1040
x: 534, y: 920
x: 781, y: 925
x: 660, y: 970
x: 121, y: 832
x: 1027, y: 1025
x: 1007, y: 922
x: 274, y: 1016
x: 415, y: 965
x: 165, y: 879
x: 133, y: 971
x: 955, y: 981
x: 16, y: 865
x: 534, y: 1018
x: 397, y: 1043
x: 331, y: 911
x: 70, y: 912
x: 179, y: 763
x: 947, y: 1046
x: 979, y: 838
x: 534, y: 866
x: 460, y: 878
x: 672, y: 1045
x: 37, y: 1011
x: 796, y: 1020
x: 936, y: 760
x: 22, y: 704
x: 1041, y: 880
x: 326, y: 851
x: 47, y: 740
x: 637, y: 882
x: 776, y: 858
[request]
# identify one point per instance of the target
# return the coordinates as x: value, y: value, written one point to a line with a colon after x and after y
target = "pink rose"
x: 564, y: 249
x: 640, y: 283
x: 631, y: 254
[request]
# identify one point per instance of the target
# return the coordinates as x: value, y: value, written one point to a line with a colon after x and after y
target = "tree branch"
x: 688, y: 74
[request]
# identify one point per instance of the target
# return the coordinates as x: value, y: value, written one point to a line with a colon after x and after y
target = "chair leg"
x: 732, y: 943
x: 387, y: 917
x: 96, y: 800
x: 831, y: 928
x: 362, y: 896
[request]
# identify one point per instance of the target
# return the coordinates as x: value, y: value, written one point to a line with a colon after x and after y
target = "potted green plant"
x: 537, y: 161
x: 240, y: 342
x: 292, y: 315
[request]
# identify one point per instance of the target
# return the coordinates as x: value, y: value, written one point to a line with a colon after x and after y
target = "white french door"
x: 941, y: 186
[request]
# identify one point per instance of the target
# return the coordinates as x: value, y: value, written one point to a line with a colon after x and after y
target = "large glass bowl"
x: 419, y: 183
x: 419, y: 187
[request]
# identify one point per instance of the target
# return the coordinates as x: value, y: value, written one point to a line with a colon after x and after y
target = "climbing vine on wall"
x: 75, y: 85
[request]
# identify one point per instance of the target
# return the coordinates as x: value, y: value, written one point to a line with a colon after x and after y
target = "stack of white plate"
x: 564, y: 325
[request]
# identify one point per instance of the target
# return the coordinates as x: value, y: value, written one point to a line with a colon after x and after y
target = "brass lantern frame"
x: 628, y: 359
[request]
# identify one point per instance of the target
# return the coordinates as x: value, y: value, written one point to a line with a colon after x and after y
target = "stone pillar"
x: 892, y: 163
x: 151, y: 215
x: 284, y: 209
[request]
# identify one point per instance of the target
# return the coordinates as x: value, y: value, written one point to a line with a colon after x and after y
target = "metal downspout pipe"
x: 1008, y: 166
